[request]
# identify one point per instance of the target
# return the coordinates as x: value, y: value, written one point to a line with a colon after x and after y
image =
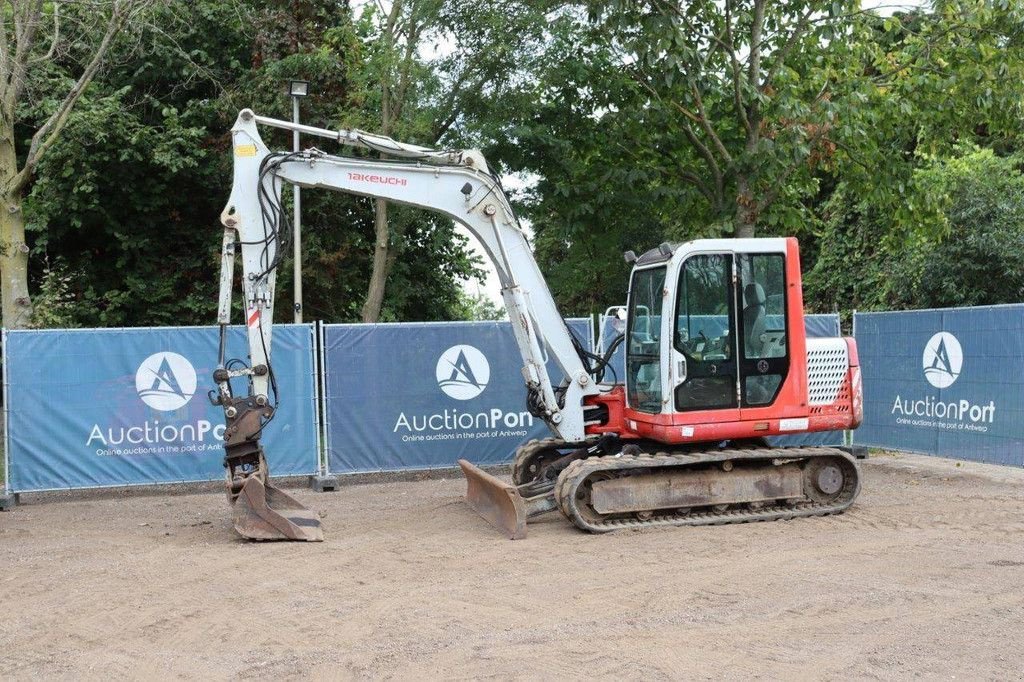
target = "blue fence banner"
x: 112, y: 407
x: 944, y: 382
x: 424, y: 395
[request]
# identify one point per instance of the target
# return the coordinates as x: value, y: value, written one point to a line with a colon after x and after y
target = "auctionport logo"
x: 166, y: 381
x: 463, y: 372
x: 942, y: 363
x: 943, y: 358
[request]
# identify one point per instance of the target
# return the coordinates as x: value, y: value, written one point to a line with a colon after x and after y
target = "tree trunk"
x: 379, y: 275
x: 17, y: 306
x: 745, y: 222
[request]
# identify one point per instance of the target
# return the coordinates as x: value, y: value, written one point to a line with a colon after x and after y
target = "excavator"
x: 716, y: 360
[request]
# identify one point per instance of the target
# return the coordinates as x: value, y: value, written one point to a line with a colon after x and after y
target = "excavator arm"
x: 455, y: 183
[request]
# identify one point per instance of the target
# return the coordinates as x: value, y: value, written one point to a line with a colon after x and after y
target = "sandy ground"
x: 923, y: 577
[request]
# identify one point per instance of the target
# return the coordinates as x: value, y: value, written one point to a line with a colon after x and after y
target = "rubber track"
x: 525, y: 451
x: 576, y: 473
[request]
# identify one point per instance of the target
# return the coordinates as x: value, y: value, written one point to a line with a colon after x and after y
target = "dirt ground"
x: 923, y: 577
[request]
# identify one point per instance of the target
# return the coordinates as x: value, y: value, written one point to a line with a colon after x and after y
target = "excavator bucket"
x: 500, y: 504
x: 263, y: 512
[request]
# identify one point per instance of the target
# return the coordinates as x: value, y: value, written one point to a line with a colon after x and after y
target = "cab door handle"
x: 680, y: 369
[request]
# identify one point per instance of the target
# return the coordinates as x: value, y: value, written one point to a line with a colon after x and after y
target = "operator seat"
x: 753, y: 319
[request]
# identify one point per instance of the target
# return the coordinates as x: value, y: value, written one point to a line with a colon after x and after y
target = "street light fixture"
x: 297, y: 90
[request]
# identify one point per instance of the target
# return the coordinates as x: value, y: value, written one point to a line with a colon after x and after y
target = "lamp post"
x: 297, y: 90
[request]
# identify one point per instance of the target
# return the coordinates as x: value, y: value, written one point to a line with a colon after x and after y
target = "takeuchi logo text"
x: 378, y: 179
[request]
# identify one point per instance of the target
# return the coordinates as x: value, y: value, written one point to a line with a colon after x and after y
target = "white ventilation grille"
x: 827, y: 364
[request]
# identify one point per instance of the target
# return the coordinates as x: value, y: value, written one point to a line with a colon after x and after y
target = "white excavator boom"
x: 456, y: 183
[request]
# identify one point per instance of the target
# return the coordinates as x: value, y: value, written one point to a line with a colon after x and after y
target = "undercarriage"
x: 603, y: 485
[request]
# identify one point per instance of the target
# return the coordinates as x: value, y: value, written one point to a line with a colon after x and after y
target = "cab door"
x: 644, y: 375
x: 704, y: 367
x: 764, y: 339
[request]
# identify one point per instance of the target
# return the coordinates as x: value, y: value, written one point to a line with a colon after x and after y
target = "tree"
x: 926, y: 97
x: 128, y: 198
x: 394, y: 60
x: 925, y: 83
x: 479, y: 307
x: 35, y: 38
x: 980, y: 258
x: 575, y: 129
x: 750, y: 87
x: 429, y: 64
x: 976, y: 258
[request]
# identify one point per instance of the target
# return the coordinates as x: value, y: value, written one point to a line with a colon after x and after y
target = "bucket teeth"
x: 263, y: 512
x: 500, y: 504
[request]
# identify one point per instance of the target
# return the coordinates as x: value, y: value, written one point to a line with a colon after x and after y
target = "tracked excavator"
x: 716, y: 360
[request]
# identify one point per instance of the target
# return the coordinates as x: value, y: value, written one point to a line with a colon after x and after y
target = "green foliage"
x: 981, y: 259
x: 479, y: 307
x: 580, y: 132
x: 977, y: 259
x: 130, y: 196
x: 54, y: 304
x: 746, y: 93
x: 889, y: 146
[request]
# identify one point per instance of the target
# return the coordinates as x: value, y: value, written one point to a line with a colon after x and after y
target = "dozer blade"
x: 500, y: 504
x: 263, y: 512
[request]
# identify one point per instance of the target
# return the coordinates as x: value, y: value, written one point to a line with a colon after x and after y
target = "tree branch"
x: 385, y: 86
x: 741, y: 110
x: 703, y: 150
x: 754, y: 77
x: 779, y: 181
x: 701, y: 186
x: 780, y: 57
x: 412, y: 39
x: 47, y: 134
x: 24, y: 35
x: 56, y: 36
x: 708, y: 128
x: 654, y: 93
x: 5, y: 55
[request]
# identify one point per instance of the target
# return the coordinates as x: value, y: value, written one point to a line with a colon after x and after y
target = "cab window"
x: 764, y: 340
x: 643, y: 353
x: 703, y: 333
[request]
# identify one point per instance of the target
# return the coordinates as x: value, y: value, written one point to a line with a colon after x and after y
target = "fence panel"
x: 423, y: 395
x: 944, y: 382
x: 112, y: 407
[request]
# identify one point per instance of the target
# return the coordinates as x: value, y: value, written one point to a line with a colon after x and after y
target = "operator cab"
x: 709, y: 327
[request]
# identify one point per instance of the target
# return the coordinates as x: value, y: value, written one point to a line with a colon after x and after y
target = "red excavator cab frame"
x: 800, y: 405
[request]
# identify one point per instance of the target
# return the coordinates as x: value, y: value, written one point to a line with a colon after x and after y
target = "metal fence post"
x: 315, y: 357
x: 324, y: 481
x: 850, y: 434
x: 7, y: 498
